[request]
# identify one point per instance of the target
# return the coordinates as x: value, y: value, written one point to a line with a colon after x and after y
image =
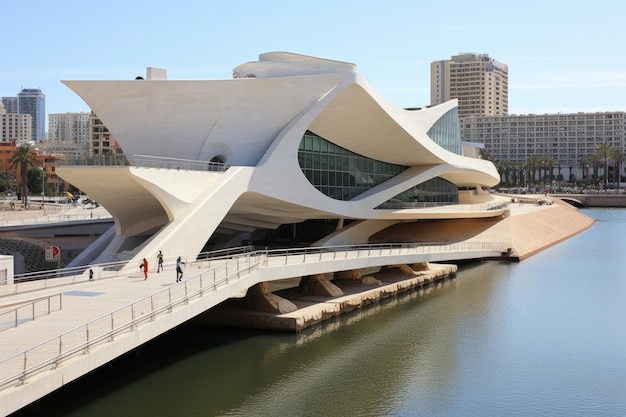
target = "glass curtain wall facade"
x: 339, y: 173
x: 434, y: 192
x: 342, y: 175
x: 446, y: 132
x: 32, y: 101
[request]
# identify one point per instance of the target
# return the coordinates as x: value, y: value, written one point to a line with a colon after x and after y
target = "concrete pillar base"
x: 259, y: 298
x: 420, y: 266
x: 319, y: 285
x: 412, y: 270
x: 353, y: 274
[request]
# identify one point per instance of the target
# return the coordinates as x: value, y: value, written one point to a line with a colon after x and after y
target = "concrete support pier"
x: 317, y: 299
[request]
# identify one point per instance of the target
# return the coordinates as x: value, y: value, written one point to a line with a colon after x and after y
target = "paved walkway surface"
x: 81, y: 303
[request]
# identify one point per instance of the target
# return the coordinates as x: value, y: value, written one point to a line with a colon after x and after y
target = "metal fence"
x: 79, y: 340
x: 227, y: 266
x: 30, y: 311
x: 147, y: 161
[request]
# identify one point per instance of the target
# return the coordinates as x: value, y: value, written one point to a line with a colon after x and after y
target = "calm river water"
x: 543, y: 337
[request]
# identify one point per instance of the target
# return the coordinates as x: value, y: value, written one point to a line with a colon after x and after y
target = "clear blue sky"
x: 562, y: 56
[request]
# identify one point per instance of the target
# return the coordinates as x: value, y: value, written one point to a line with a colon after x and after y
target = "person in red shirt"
x: 144, y: 266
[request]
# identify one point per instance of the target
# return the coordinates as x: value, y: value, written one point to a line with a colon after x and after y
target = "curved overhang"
x: 362, y: 122
x: 356, y: 121
x: 236, y: 120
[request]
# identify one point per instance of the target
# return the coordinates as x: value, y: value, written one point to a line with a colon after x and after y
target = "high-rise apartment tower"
x: 33, y: 101
x: 480, y: 84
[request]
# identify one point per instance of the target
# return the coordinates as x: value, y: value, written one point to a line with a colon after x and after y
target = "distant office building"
x: 32, y: 101
x: 480, y: 84
x: 69, y: 128
x: 10, y: 104
x: 68, y: 136
x: 15, y: 128
x: 567, y: 139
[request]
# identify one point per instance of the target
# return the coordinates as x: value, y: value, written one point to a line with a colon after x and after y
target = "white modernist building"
x: 290, y: 139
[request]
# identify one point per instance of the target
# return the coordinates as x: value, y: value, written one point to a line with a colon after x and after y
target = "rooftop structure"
x: 289, y: 139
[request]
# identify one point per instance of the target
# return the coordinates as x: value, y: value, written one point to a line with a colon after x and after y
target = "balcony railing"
x: 147, y: 161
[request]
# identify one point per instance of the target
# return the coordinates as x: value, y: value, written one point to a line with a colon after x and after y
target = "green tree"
x: 617, y: 156
x: 7, y: 183
x: 602, y: 152
x: 533, y: 162
x: 505, y: 171
x: 35, y: 180
x: 549, y: 164
x: 595, y: 160
x: 24, y: 158
x: 584, y: 165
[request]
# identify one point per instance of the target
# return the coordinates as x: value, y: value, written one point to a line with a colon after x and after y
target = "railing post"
x: 25, y: 360
x: 86, y: 350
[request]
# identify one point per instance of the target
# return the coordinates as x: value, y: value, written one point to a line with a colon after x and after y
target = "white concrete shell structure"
x: 254, y: 125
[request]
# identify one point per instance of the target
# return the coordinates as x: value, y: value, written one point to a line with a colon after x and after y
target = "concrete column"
x: 259, y: 298
x: 319, y: 285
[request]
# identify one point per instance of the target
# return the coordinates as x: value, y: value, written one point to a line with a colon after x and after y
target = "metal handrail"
x: 147, y: 161
x: 108, y: 326
x: 32, y: 309
x: 87, y: 215
x: 157, y: 303
x: 381, y: 249
x: 51, y: 274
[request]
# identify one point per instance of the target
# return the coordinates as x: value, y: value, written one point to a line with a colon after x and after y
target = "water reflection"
x: 540, y: 337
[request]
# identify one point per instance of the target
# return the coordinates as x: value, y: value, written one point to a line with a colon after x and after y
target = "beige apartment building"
x: 479, y: 83
x: 15, y: 128
x: 102, y: 142
x: 567, y: 139
x: 69, y: 128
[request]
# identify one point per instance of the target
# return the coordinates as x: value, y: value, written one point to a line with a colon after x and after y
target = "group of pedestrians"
x: 179, y: 270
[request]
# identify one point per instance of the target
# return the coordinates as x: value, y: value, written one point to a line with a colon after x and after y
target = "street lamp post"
x: 43, y: 184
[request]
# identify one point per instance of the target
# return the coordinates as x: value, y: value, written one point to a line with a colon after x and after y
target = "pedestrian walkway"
x: 52, y: 213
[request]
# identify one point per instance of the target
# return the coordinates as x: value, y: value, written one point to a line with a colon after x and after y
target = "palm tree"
x: 533, y: 162
x: 595, y: 160
x: 584, y: 165
x: 24, y: 158
x: 618, y: 156
x: 549, y: 164
x: 602, y: 150
x: 505, y: 170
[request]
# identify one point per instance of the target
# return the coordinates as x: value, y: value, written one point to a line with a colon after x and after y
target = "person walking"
x: 144, y: 266
x: 179, y: 270
x: 159, y: 262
